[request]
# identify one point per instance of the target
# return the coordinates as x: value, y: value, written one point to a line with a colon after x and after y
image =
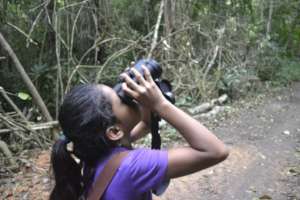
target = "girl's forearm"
x: 197, y: 135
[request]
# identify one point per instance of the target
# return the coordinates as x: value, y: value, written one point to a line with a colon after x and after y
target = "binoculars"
x: 164, y: 85
x: 155, y: 71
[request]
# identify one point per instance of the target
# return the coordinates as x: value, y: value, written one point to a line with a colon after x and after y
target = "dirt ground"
x: 264, y: 162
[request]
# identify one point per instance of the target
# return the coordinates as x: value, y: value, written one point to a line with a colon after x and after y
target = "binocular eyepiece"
x: 155, y: 71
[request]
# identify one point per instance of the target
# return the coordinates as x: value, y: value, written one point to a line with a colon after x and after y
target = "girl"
x: 96, y: 125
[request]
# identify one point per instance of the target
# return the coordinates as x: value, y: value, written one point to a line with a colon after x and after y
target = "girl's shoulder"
x: 146, y: 168
x: 144, y: 156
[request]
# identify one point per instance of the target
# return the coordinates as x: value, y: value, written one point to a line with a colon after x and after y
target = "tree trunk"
x: 51, y: 36
x: 269, y: 23
x: 155, y: 35
x: 169, y: 24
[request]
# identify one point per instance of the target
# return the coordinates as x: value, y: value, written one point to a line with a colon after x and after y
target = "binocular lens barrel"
x: 151, y: 65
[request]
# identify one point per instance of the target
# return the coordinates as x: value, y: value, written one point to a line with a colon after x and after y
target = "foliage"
x: 24, y: 96
x: 205, y: 47
x: 288, y: 72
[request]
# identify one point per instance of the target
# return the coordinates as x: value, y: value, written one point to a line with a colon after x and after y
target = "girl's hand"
x: 145, y: 92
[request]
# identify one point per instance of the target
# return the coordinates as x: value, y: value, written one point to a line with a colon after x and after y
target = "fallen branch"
x: 206, y: 107
x: 41, y: 126
x: 7, y: 153
x: 212, y: 113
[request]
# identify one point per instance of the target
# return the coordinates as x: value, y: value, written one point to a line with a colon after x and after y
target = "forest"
x: 207, y: 48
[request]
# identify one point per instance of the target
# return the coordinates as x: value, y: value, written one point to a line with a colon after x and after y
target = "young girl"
x: 96, y: 125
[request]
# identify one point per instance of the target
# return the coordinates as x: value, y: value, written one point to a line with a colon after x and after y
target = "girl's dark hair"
x: 84, y: 116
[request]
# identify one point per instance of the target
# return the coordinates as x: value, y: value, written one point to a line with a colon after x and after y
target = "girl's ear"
x: 114, y: 133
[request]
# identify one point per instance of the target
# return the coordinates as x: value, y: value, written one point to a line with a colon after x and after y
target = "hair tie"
x: 63, y: 137
x: 69, y: 144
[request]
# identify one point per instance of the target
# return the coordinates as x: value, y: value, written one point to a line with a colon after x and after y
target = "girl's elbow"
x: 220, y: 154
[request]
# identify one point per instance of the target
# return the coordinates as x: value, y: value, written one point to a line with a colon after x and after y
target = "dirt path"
x: 265, y: 156
x: 264, y: 162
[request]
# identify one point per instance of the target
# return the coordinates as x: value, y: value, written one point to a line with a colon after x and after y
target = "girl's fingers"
x: 130, y: 83
x: 129, y: 91
x: 139, y: 77
x: 147, y: 74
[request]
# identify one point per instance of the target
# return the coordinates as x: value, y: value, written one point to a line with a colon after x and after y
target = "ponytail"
x: 84, y: 116
x: 67, y: 173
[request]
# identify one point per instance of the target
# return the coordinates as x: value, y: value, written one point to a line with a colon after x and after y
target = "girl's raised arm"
x: 204, y: 149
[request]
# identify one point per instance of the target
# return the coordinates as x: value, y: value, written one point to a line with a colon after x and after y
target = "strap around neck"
x: 105, y: 177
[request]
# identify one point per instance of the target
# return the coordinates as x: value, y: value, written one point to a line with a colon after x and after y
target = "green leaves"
x: 24, y: 96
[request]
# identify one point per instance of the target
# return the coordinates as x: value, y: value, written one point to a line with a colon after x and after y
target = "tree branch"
x: 7, y: 153
x: 35, y: 95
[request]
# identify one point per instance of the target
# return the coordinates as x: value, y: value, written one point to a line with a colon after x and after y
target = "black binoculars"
x: 156, y: 71
x: 164, y: 86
